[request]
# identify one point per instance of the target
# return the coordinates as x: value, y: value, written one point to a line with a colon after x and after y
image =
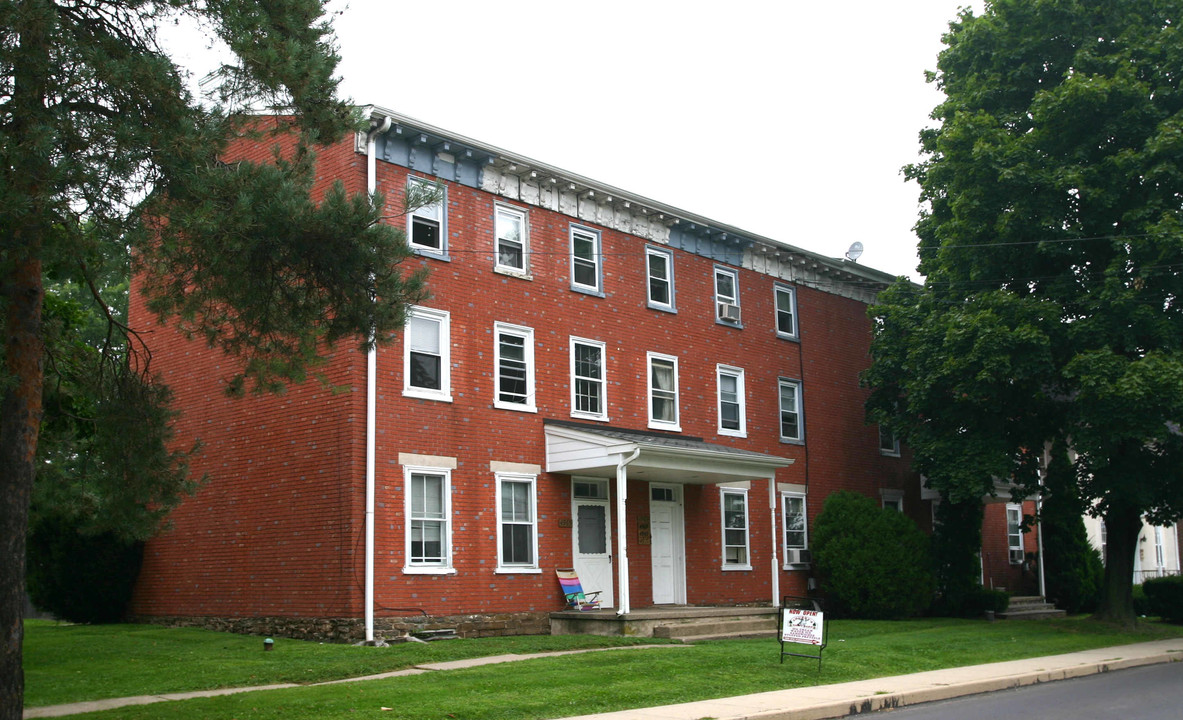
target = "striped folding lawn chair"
x: 573, y: 591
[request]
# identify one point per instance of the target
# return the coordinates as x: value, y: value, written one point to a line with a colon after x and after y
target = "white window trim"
x: 747, y: 529
x: 653, y: 422
x: 598, y: 260
x: 800, y: 439
x: 1010, y: 547
x: 894, y: 451
x: 892, y: 497
x: 524, y: 568
x: 650, y: 252
x: 720, y: 299
x: 446, y: 567
x: 445, y: 329
x: 575, y: 412
x: 777, y: 290
x: 442, y: 251
x: 524, y: 270
x: 527, y: 335
x: 741, y: 394
x: 784, y: 519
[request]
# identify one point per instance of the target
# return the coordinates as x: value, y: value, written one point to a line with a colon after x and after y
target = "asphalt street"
x: 1154, y: 692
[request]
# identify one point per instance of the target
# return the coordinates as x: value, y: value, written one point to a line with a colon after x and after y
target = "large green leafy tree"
x: 101, y: 145
x: 1051, y: 241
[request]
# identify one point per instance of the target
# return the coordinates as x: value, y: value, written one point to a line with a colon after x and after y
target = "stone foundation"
x: 344, y: 630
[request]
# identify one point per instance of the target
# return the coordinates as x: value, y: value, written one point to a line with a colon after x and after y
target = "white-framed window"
x: 426, y: 354
x: 1104, y: 543
x: 795, y: 523
x: 513, y: 241
x: 659, y: 270
x: 427, y: 225
x: 892, y: 500
x: 889, y: 444
x: 1014, y: 533
x: 586, y: 260
x: 513, y: 364
x: 792, y: 429
x: 727, y: 296
x: 732, y: 412
x: 734, y: 503
x: 588, y: 380
x: 517, y: 523
x: 663, y: 391
x: 786, y: 312
x: 1159, y: 554
x: 429, y: 530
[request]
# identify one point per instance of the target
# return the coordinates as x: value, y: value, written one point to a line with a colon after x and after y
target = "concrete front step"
x: 714, y: 629
x: 1030, y: 607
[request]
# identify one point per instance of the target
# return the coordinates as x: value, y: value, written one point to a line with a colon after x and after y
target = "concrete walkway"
x: 806, y: 703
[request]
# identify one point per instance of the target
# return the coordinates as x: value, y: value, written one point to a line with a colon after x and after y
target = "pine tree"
x: 102, y: 147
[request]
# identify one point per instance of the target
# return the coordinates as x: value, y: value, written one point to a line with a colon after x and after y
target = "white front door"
x: 668, y: 546
x: 593, y: 547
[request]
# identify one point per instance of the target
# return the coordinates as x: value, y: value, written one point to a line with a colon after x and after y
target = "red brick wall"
x: 997, y: 570
x: 278, y: 528
x: 274, y: 530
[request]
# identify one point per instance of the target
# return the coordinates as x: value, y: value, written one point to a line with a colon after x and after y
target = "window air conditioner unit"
x: 728, y: 312
x: 799, y: 556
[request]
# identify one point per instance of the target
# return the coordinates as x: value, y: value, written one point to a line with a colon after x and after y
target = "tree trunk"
x: 20, y: 420
x: 31, y: 135
x: 1123, y: 524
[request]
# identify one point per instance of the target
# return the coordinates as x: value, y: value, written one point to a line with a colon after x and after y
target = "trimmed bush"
x: 1164, y: 597
x: 80, y: 578
x: 873, y: 562
x: 956, y: 542
x: 1141, y: 606
x: 1074, y: 571
x: 984, y: 599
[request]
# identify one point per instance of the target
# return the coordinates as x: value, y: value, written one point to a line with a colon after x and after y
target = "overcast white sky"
x: 786, y: 118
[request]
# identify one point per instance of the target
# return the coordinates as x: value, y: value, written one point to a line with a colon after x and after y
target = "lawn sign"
x: 801, y: 622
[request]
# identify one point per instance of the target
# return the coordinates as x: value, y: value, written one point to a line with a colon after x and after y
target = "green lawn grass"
x: 70, y: 663
x: 562, y: 686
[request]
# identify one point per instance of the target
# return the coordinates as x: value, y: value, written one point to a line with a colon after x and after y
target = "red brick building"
x: 598, y: 381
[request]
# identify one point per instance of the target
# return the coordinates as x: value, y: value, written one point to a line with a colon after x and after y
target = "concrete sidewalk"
x: 807, y: 703
x: 835, y: 701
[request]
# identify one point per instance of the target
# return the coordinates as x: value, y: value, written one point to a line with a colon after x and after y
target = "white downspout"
x: 371, y: 405
x: 622, y: 607
x: 775, y: 543
x: 1047, y: 459
x: 1039, y: 539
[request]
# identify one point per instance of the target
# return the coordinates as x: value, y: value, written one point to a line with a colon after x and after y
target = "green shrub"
x: 873, y: 562
x: 956, y: 542
x: 80, y: 578
x: 1164, y: 597
x: 984, y: 600
x: 1073, y: 567
x: 1141, y: 605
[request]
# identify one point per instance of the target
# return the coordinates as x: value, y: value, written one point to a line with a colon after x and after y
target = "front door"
x: 592, y: 538
x: 668, y: 546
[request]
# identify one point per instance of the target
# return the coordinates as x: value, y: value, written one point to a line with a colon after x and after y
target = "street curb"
x: 823, y: 702
x: 895, y: 701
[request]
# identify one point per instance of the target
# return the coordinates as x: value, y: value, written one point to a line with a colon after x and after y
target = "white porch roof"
x: 579, y: 449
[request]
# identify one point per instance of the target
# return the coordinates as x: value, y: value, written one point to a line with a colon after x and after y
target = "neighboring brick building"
x: 598, y: 380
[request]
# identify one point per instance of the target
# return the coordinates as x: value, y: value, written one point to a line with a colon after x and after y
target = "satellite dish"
x: 855, y: 252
